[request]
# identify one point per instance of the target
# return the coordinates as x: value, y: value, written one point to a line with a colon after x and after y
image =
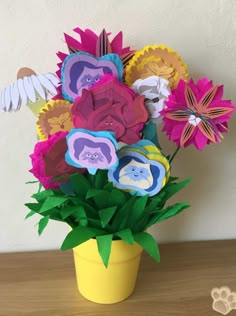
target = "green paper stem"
x: 174, y: 154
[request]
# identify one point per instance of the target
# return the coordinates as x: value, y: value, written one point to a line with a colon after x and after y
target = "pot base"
x: 107, y: 285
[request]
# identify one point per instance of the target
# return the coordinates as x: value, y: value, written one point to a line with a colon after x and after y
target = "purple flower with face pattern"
x: 82, y: 71
x: 87, y: 75
x: 91, y: 150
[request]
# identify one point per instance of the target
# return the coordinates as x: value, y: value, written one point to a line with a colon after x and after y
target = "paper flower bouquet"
x: 99, y: 165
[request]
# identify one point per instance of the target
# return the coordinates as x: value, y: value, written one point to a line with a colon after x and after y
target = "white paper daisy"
x: 29, y: 89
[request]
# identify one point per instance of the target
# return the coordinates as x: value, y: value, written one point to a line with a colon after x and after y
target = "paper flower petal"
x: 111, y: 105
x: 81, y: 71
x: 91, y: 150
x: 90, y: 42
x: 156, y: 91
x: 159, y: 61
x: 196, y: 114
x: 48, y: 161
x: 32, y: 90
x: 55, y: 116
x: 142, y: 169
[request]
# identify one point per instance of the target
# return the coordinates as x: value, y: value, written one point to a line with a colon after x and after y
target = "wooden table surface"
x: 43, y: 283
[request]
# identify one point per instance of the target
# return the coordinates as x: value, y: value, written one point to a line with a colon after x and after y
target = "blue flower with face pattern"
x: 137, y: 173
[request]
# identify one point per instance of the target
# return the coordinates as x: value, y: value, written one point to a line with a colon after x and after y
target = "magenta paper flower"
x: 111, y: 106
x: 97, y: 45
x: 48, y: 161
x: 196, y: 114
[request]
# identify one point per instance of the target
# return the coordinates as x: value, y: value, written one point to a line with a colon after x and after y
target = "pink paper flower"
x: 97, y: 45
x: 48, y: 161
x: 196, y: 114
x: 111, y: 106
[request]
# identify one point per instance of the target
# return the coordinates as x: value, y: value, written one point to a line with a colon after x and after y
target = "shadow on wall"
x: 209, y: 171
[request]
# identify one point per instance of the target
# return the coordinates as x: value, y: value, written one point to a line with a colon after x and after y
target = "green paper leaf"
x: 42, y: 224
x: 94, y: 223
x: 93, y: 193
x: 126, y: 235
x: 51, y: 202
x: 34, y: 206
x: 149, y: 244
x: 117, y: 197
x: 31, y: 213
x: 79, y: 235
x: 81, y: 216
x: 108, y: 186
x: 150, y: 133
x: 100, y: 179
x: 173, y: 188
x: 172, y: 179
x: 67, y: 211
x: 54, y: 214
x: 80, y: 184
x: 100, y: 198
x: 169, y: 212
x: 43, y: 195
x: 106, y: 215
x: 86, y: 204
x: 137, y: 210
x: 67, y: 188
x: 122, y: 214
x: 141, y: 223
x: 104, y: 247
x: 76, y: 212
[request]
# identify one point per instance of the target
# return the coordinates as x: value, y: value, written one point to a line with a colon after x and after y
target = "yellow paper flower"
x: 55, y: 116
x: 159, y: 61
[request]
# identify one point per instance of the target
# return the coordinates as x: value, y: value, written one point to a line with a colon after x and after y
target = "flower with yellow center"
x: 55, y: 116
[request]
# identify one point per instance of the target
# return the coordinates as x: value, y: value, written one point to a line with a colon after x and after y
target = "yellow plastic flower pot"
x: 106, y: 285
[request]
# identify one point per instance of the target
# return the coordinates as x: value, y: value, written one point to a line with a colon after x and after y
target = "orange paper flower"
x: 55, y: 116
x: 159, y: 61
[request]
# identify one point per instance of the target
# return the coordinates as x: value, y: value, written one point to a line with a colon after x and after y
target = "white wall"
x: 203, y: 32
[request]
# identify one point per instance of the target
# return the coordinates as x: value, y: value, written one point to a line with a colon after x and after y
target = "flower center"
x: 194, y: 119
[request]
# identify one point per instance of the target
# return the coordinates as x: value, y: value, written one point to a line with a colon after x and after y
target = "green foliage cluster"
x: 94, y: 208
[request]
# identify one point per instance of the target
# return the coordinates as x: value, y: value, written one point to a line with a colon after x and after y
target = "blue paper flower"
x: 142, y: 169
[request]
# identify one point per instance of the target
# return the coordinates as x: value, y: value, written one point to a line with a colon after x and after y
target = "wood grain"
x: 43, y: 283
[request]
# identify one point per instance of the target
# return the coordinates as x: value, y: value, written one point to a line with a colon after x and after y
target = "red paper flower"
x: 196, y: 114
x: 112, y: 106
x: 48, y: 161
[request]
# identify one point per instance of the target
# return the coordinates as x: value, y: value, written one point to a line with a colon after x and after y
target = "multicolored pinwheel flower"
x: 196, y: 114
x: 111, y: 106
x: 48, y: 161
